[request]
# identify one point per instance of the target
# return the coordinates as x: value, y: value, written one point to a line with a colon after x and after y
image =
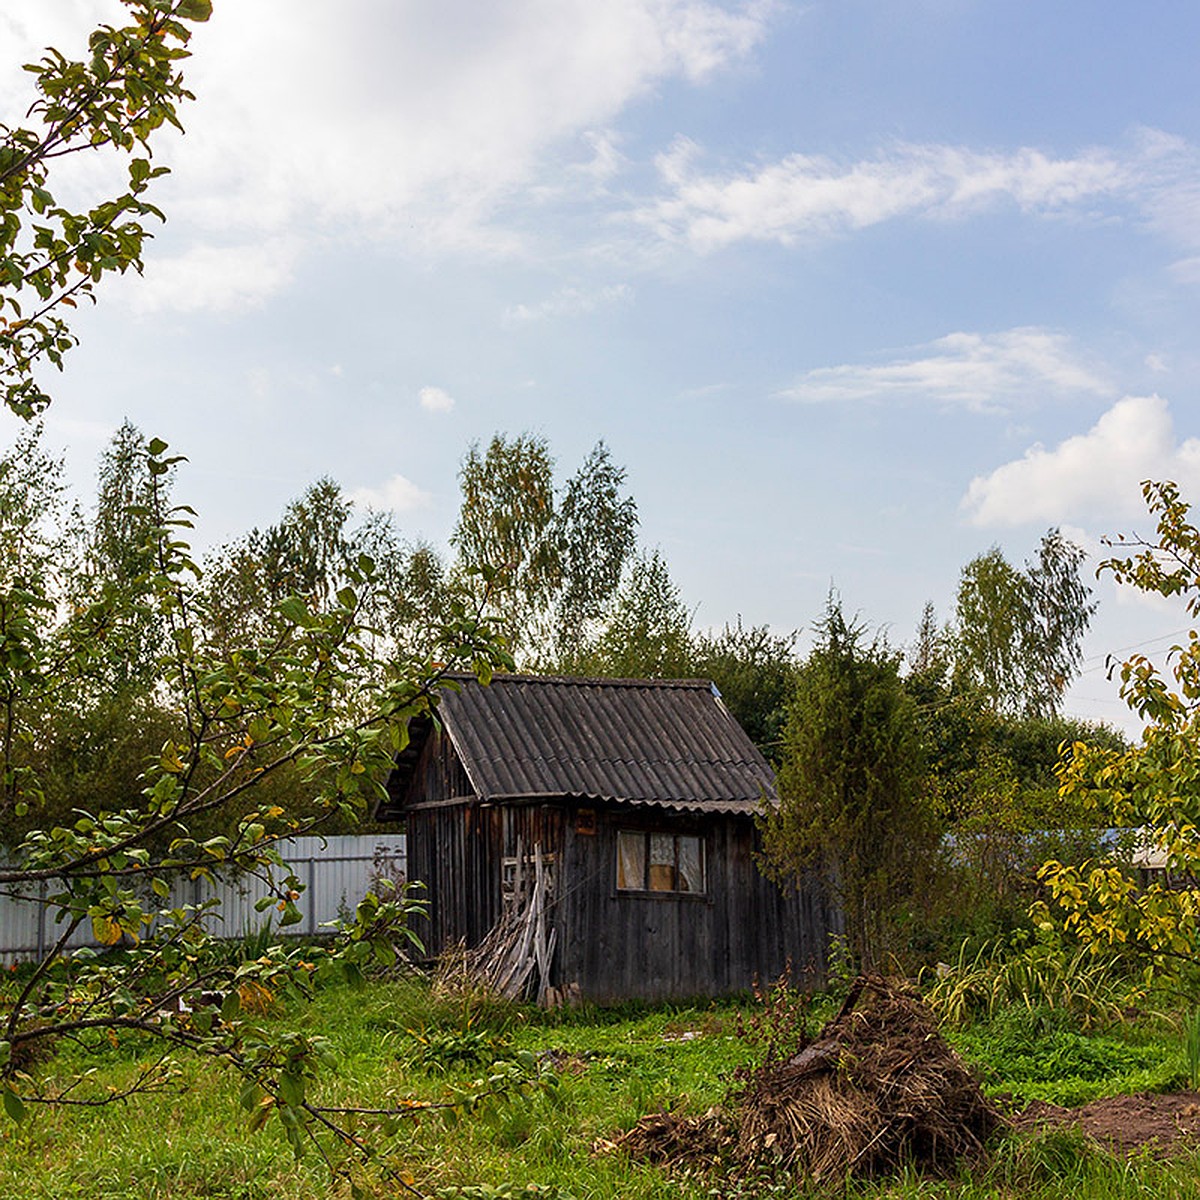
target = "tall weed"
x: 1043, y: 975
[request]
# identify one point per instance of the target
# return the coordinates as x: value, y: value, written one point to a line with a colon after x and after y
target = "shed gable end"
x: 429, y: 770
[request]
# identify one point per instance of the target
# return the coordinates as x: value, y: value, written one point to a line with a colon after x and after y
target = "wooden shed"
x: 596, y: 838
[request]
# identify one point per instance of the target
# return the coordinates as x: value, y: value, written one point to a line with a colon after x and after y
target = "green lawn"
x: 602, y: 1071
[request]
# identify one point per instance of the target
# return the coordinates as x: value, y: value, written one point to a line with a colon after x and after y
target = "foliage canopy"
x: 1152, y: 787
x: 114, y: 100
x: 853, y: 805
x: 308, y: 694
x: 557, y: 552
x: 1017, y: 633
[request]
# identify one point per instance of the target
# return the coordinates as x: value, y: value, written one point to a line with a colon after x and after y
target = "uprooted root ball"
x: 877, y: 1089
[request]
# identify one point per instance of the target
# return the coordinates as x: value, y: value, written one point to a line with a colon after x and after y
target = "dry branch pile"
x: 518, y: 948
x: 878, y: 1088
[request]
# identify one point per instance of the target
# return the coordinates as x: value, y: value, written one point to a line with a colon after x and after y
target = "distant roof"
x: 663, y: 742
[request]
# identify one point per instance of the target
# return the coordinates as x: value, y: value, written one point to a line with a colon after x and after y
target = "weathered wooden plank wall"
x: 617, y: 945
x: 455, y: 851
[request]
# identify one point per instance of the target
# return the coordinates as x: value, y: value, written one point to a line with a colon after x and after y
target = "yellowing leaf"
x: 106, y: 931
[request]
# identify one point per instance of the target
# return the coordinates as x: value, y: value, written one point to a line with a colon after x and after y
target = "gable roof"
x: 670, y: 743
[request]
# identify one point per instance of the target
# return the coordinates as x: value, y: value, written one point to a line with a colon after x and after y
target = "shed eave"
x: 731, y: 804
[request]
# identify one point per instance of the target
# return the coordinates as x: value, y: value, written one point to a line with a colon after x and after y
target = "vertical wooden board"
x: 729, y: 931
x: 421, y: 866
x: 744, y: 915
x: 692, y: 932
x: 452, y: 866
x: 601, y: 941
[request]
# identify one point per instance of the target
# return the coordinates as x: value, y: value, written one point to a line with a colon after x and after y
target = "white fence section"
x: 336, y: 873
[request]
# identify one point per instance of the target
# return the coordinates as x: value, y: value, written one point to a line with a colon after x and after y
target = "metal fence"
x: 336, y: 872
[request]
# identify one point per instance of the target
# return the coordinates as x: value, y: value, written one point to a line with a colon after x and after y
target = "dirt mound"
x: 877, y: 1088
x: 1162, y: 1124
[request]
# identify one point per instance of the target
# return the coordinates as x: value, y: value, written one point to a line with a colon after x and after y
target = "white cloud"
x: 1186, y: 270
x: 973, y: 369
x: 398, y: 494
x: 213, y: 278
x: 1093, y: 476
x: 427, y: 116
x: 702, y: 38
x: 607, y: 159
x: 410, y: 123
x: 422, y: 125
x: 569, y: 302
x: 435, y: 399
x: 1170, y: 169
x: 809, y: 196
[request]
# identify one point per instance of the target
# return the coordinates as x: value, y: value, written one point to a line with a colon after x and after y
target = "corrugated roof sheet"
x: 661, y: 742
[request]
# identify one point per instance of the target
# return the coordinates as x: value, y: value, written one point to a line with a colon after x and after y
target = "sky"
x: 854, y: 289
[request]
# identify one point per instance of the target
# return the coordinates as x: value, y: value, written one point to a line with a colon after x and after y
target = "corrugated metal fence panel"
x: 19, y: 925
x: 336, y: 873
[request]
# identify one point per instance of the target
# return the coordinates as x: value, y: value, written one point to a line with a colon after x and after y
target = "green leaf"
x: 13, y: 1104
x: 194, y: 10
x: 291, y: 1088
x: 231, y: 1005
x: 295, y: 610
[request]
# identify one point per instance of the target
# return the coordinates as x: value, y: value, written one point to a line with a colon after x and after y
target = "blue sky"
x: 855, y: 290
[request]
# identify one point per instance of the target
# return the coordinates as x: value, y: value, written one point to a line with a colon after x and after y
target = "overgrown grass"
x: 1040, y: 1054
x: 602, y: 1070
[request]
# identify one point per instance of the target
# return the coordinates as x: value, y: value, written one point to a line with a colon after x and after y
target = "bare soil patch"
x: 1161, y: 1124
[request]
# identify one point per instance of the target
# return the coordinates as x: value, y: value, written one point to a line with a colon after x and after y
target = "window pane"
x: 691, y: 865
x: 631, y: 861
x: 662, y: 862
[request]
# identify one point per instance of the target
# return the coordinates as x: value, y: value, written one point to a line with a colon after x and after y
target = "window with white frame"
x: 660, y: 862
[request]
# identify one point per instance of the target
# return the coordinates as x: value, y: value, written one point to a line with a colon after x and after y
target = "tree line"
x: 882, y: 751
